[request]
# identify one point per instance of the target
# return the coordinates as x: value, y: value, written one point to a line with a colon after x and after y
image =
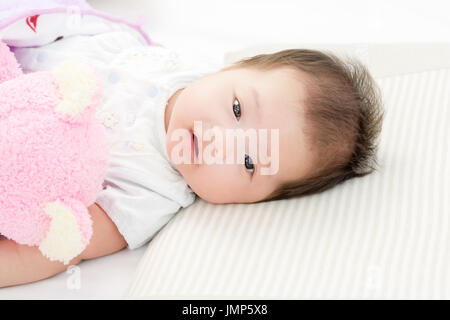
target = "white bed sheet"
x: 103, y: 278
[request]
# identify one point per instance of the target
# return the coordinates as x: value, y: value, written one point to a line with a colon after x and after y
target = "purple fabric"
x: 13, y: 10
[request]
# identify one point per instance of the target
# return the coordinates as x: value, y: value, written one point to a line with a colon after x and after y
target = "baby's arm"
x: 21, y: 264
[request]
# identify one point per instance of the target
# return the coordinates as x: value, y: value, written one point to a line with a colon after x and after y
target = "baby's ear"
x: 9, y: 67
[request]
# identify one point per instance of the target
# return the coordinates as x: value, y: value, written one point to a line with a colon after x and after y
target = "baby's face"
x: 249, y: 100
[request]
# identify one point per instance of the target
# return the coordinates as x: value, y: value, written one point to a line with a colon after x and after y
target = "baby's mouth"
x: 195, y: 145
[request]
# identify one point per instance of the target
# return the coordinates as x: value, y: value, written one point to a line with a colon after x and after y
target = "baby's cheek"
x: 204, y: 182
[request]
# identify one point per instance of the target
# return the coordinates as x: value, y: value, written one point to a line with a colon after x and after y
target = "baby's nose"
x: 220, y: 148
x: 227, y: 149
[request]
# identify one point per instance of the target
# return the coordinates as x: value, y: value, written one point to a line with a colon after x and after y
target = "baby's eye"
x: 237, y: 109
x: 249, y: 164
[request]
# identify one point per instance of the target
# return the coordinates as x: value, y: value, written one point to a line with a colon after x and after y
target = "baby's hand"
x: 21, y: 264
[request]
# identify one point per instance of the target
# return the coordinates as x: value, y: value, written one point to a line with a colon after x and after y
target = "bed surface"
x: 103, y: 278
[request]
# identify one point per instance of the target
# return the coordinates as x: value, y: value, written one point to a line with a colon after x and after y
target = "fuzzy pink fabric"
x: 9, y: 68
x: 45, y: 157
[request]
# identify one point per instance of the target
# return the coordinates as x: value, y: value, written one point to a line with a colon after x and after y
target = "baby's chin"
x: 203, y: 194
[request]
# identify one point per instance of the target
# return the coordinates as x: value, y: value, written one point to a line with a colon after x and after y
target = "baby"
x: 311, y: 119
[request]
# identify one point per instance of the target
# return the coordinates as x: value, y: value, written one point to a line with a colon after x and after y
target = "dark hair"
x: 343, y: 112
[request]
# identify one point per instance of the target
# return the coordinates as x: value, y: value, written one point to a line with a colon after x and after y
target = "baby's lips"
x: 196, y: 145
x: 193, y: 146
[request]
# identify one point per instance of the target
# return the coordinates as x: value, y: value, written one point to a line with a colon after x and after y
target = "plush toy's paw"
x: 78, y: 87
x: 70, y: 230
x: 9, y: 68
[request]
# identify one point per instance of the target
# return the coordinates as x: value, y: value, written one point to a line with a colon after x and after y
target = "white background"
x: 232, y: 24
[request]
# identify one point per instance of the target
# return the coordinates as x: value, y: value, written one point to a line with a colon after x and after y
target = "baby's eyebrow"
x: 256, y: 101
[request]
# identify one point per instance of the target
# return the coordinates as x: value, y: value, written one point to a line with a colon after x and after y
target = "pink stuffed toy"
x: 53, y: 155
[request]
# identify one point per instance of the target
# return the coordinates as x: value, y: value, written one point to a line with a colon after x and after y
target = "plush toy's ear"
x: 80, y: 89
x: 9, y: 67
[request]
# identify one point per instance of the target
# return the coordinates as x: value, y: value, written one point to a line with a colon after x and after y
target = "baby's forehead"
x: 295, y: 151
x: 282, y: 108
x: 282, y: 73
x: 282, y: 88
